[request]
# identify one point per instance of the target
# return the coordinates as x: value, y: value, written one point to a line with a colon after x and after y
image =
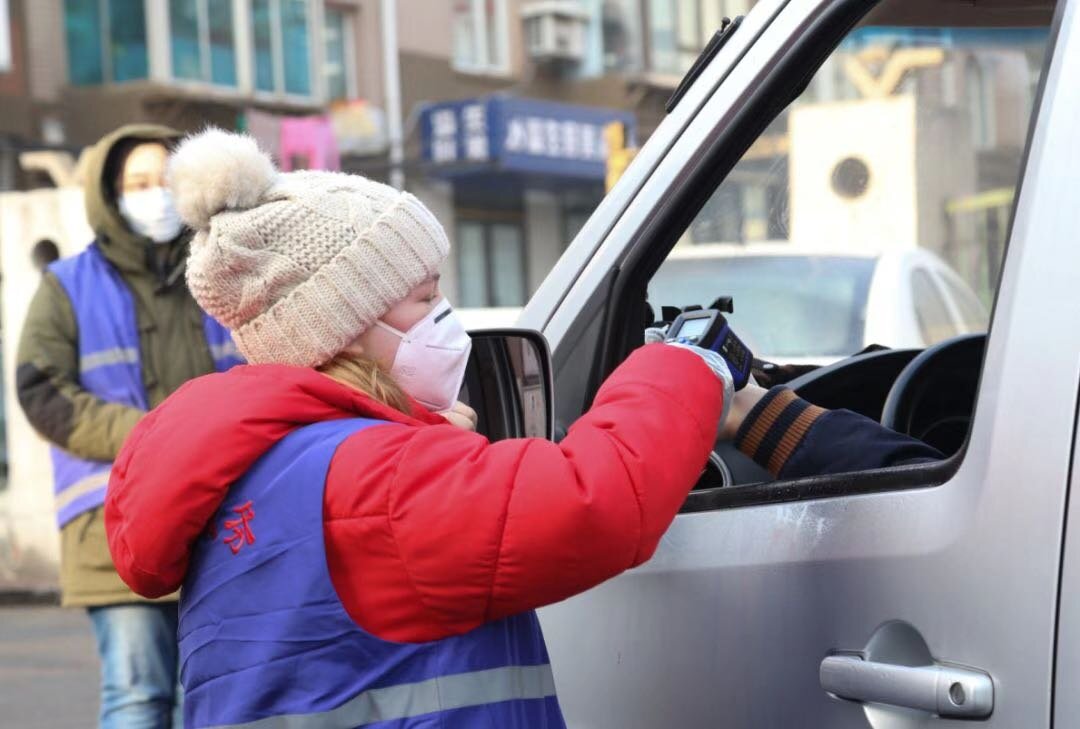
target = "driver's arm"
x: 794, y: 439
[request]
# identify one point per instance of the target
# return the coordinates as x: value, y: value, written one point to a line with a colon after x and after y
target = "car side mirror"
x: 508, y: 383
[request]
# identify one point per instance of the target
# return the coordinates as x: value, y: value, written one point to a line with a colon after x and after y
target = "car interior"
x: 928, y: 392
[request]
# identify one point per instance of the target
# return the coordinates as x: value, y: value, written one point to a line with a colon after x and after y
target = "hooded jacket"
x: 430, y: 530
x: 173, y: 350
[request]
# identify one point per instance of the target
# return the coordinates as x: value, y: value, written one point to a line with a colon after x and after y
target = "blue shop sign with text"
x: 519, y: 135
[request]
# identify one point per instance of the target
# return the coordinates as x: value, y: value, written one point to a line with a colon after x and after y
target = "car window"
x: 889, y: 174
x: 891, y: 149
x: 972, y: 312
x: 935, y: 324
x: 788, y: 306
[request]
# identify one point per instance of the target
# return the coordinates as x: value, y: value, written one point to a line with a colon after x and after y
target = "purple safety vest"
x: 109, y: 365
x: 266, y: 642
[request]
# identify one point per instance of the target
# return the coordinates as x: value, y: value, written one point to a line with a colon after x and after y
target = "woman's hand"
x: 461, y: 415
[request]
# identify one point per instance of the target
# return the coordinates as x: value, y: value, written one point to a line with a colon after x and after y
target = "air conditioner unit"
x: 555, y: 30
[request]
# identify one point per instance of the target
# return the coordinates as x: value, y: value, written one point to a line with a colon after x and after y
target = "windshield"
x: 785, y: 306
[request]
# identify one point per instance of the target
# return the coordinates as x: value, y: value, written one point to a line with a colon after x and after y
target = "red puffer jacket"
x: 430, y: 530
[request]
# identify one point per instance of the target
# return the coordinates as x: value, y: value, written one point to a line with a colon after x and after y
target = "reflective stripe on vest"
x: 265, y: 641
x: 222, y: 347
x: 109, y: 365
x: 413, y: 700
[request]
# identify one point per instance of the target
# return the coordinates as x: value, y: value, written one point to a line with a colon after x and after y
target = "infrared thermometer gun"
x: 709, y: 329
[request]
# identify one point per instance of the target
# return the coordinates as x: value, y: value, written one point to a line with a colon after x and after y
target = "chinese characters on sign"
x: 474, y: 117
x: 556, y: 138
x: 521, y: 135
x: 473, y: 121
x: 444, y: 136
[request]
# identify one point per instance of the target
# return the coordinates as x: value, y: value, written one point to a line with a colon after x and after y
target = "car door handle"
x: 948, y: 691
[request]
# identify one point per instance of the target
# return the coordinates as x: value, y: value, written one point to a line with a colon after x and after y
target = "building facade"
x: 79, y: 68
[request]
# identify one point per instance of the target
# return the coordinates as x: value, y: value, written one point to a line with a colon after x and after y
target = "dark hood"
x: 126, y: 250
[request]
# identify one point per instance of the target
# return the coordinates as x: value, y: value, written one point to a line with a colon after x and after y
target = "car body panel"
x: 729, y: 622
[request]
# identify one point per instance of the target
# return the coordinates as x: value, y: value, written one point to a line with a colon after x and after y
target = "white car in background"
x: 798, y: 305
x: 496, y: 317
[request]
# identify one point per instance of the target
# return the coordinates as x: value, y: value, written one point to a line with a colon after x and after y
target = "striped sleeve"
x: 793, y: 439
x: 776, y: 427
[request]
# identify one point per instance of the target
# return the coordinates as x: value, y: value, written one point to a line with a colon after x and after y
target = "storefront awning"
x: 508, y: 134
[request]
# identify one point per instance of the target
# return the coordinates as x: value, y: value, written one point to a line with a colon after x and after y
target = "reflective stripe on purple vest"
x: 266, y: 642
x: 109, y: 365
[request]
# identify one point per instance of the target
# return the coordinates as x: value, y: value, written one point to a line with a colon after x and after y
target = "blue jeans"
x: 138, y: 652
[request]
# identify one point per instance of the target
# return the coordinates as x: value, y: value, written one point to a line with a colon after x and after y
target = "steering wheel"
x: 933, y: 397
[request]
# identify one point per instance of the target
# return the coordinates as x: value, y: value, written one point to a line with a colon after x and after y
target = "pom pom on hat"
x: 216, y: 170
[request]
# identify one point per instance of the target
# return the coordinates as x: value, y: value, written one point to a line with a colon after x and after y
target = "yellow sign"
x: 619, y: 155
x: 893, y: 67
x: 1001, y: 197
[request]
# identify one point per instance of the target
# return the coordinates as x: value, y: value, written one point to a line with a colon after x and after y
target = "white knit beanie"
x: 296, y: 264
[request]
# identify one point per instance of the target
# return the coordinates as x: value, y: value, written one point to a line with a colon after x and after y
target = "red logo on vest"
x: 241, y: 528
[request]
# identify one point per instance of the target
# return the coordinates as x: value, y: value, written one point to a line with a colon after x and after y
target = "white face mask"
x: 151, y: 214
x: 430, y: 361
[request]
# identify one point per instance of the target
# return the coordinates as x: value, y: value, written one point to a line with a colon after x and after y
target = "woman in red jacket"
x: 351, y: 553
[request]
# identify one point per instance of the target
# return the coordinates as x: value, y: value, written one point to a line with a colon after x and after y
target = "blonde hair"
x: 365, y: 374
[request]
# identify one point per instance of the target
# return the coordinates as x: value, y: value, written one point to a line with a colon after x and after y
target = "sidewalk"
x: 48, y: 669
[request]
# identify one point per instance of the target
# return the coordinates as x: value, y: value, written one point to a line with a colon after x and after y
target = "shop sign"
x: 524, y: 135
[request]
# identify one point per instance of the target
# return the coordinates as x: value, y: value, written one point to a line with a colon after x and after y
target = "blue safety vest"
x: 109, y: 365
x: 265, y: 641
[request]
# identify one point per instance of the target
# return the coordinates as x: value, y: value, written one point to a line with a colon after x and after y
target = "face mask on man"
x: 430, y: 361
x: 151, y: 214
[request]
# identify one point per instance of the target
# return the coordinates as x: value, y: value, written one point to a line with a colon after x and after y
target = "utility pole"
x: 392, y: 84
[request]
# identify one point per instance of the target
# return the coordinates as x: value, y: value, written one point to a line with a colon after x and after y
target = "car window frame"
x: 654, y: 239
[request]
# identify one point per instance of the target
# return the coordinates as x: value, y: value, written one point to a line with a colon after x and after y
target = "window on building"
x: 980, y: 103
x: 574, y: 220
x: 5, y: 37
x: 480, y: 36
x: 262, y: 42
x: 219, y: 21
x: 281, y: 46
x: 184, y: 38
x: 576, y: 206
x: 127, y: 40
x: 106, y: 40
x: 202, y: 40
x: 679, y: 29
x: 296, y: 48
x: 620, y: 22
x: 339, y: 65
x: 491, y: 264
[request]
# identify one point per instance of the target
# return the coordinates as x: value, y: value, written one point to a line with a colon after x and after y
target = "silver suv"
x: 897, y: 598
